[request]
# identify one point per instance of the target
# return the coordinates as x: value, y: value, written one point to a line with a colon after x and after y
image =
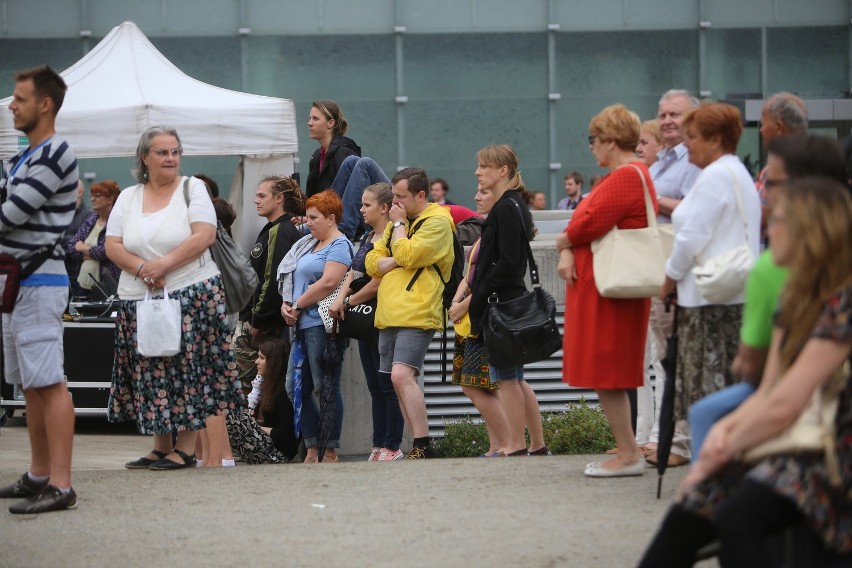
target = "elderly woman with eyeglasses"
x: 87, y: 245
x: 605, y: 337
x: 158, y: 234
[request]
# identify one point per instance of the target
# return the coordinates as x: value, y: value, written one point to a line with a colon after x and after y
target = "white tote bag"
x: 724, y: 276
x: 630, y: 263
x: 158, y: 326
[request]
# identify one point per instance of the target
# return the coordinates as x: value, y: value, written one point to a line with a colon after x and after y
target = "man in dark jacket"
x: 278, y: 199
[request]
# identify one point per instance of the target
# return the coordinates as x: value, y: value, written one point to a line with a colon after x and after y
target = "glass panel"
x: 598, y: 69
x: 306, y: 69
x: 467, y: 91
x: 733, y: 63
x: 811, y: 62
x: 213, y: 60
x: 21, y: 54
x: 490, y: 66
x: 444, y: 136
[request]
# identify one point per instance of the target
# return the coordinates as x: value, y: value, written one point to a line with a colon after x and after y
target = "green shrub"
x: 580, y: 429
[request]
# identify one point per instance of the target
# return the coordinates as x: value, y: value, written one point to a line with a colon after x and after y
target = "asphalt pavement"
x: 518, y: 512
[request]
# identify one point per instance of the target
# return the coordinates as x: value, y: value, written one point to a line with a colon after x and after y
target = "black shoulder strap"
x: 35, y: 262
x: 530, y: 260
x: 419, y: 271
x: 186, y: 190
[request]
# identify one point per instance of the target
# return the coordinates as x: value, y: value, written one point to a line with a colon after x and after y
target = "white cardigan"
x: 707, y: 223
x: 174, y: 229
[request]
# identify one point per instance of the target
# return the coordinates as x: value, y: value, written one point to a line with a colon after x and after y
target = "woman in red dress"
x: 605, y: 338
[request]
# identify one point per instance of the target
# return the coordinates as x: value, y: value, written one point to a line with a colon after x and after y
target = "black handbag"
x: 522, y: 330
x: 359, y: 322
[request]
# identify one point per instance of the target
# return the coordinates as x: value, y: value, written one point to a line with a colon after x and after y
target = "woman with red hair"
x: 87, y: 245
x: 720, y: 213
x: 312, y: 269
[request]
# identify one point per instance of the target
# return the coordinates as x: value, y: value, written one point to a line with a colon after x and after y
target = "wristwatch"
x: 398, y: 224
x: 295, y: 306
x: 346, y: 302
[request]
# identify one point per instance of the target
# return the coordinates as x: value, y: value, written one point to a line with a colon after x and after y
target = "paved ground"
x: 444, y: 512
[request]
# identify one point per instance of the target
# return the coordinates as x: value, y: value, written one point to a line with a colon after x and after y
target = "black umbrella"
x: 329, y: 362
x: 667, y: 421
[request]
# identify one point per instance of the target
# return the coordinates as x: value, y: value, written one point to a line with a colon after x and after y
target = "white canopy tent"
x: 124, y: 86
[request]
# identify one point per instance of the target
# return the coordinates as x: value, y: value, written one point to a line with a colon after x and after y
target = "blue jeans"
x: 353, y: 176
x: 315, y: 339
x: 387, y: 416
x: 707, y: 411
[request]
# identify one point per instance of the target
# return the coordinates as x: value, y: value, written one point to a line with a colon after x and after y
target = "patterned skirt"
x: 250, y: 442
x: 708, y: 337
x: 167, y: 394
x: 470, y: 367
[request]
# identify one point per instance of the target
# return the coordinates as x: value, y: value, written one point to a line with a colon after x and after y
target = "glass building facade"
x: 429, y: 83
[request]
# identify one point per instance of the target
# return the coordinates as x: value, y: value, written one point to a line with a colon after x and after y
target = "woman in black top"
x: 501, y: 268
x: 327, y: 126
x: 270, y: 436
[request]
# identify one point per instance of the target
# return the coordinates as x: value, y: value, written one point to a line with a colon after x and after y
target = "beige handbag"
x: 813, y: 431
x: 724, y: 276
x: 630, y: 263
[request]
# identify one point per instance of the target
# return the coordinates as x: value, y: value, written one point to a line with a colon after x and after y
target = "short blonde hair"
x: 652, y: 127
x: 616, y: 123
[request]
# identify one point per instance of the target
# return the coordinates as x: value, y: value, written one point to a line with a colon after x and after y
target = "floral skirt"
x: 250, y: 442
x: 167, y: 394
x: 708, y: 337
x: 470, y: 366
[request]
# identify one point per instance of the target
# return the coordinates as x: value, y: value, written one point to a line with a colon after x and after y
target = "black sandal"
x: 521, y: 452
x: 167, y: 464
x: 143, y: 462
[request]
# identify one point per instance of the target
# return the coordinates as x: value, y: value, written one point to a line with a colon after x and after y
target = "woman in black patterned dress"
x: 742, y: 503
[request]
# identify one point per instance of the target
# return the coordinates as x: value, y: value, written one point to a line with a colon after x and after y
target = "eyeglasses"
x: 592, y: 140
x: 772, y: 183
x: 163, y: 153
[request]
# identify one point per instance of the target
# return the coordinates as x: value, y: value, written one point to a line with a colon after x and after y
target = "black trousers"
x: 741, y: 523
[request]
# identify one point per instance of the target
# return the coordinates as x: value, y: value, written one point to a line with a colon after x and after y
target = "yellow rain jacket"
x: 421, y: 306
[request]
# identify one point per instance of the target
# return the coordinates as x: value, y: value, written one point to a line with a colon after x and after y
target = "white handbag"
x: 158, y: 328
x: 722, y: 277
x: 630, y: 263
x: 325, y: 303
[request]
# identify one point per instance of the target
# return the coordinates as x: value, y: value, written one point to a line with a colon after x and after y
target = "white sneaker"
x: 390, y: 455
x: 375, y: 454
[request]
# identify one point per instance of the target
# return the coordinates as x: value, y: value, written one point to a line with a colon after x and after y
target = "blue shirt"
x: 673, y: 175
x: 309, y: 269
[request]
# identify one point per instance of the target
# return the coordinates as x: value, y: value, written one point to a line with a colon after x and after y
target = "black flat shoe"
x: 143, y: 462
x: 167, y: 464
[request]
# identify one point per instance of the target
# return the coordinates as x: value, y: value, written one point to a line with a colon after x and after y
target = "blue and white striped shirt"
x: 38, y: 201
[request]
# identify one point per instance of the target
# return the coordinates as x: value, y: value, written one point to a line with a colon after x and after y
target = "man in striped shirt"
x: 37, y: 202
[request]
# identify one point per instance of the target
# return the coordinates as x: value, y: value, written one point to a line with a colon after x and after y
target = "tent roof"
x: 124, y: 86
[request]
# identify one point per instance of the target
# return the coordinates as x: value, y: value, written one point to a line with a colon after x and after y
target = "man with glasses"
x: 783, y: 114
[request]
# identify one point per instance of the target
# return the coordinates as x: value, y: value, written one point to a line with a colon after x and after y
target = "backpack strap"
x: 419, y: 271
